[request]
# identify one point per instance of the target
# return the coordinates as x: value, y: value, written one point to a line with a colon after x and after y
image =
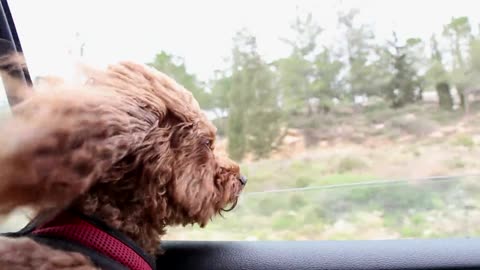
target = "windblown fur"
x: 130, y: 146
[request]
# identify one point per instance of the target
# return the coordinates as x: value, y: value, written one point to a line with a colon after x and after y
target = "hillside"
x: 355, y: 147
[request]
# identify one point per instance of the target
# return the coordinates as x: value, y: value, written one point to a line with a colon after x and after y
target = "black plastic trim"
x: 308, y: 255
x: 10, y: 43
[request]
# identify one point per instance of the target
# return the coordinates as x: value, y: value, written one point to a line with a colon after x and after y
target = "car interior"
x: 459, y: 253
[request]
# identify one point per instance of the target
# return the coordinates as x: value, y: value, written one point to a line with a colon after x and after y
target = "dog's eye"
x: 208, y: 143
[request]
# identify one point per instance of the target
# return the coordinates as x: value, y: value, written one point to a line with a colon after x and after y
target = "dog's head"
x: 130, y: 146
x: 203, y: 183
x: 200, y: 182
x: 172, y: 172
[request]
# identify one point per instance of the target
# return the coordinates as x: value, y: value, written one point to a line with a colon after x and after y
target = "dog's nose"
x: 243, y: 179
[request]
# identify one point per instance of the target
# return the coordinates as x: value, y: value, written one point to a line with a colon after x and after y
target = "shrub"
x: 297, y: 201
x: 464, y: 140
x: 413, y: 125
x: 456, y: 163
x: 348, y: 164
x: 285, y: 221
x: 303, y: 181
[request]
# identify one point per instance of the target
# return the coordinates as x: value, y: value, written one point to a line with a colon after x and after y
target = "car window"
x: 351, y: 119
x: 4, y: 106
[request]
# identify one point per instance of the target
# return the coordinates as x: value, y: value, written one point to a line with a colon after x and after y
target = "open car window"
x: 354, y: 120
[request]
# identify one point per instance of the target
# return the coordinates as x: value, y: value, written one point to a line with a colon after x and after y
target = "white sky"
x: 200, y: 31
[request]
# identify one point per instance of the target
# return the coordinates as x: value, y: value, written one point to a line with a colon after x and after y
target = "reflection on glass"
x: 423, y: 208
x: 316, y: 100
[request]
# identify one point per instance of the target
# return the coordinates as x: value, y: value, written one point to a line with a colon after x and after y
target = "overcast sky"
x: 200, y: 31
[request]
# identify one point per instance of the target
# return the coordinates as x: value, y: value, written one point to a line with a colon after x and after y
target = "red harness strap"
x: 75, y: 229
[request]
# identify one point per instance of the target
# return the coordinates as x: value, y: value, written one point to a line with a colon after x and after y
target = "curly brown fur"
x: 26, y: 254
x: 131, y: 147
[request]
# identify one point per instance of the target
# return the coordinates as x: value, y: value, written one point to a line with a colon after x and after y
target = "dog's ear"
x: 148, y: 86
x: 49, y: 161
x: 57, y: 144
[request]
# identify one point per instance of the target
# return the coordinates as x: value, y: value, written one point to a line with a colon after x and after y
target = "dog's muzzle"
x: 243, y: 179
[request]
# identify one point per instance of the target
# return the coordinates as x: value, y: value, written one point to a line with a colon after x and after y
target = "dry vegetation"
x: 351, y: 147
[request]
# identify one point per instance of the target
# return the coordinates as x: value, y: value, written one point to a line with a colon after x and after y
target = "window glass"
x: 352, y: 119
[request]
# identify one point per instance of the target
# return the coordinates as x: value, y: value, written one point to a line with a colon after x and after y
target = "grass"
x: 409, y: 210
x: 456, y: 163
x: 403, y: 211
x: 464, y: 140
x: 412, y: 125
x: 349, y: 164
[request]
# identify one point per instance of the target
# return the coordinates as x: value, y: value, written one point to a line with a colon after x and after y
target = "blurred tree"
x: 359, y: 49
x: 296, y: 72
x: 293, y: 81
x: 474, y: 52
x: 306, y: 32
x: 437, y: 76
x: 174, y: 67
x: 326, y: 83
x: 220, y: 90
x: 471, y: 76
x: 458, y: 33
x: 254, y: 113
x: 380, y: 71
x: 309, y: 76
x: 220, y: 86
x: 437, y: 72
x: 473, y: 72
x: 405, y: 86
x: 445, y: 99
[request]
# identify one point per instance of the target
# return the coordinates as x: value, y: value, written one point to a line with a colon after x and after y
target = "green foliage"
x: 175, y: 67
x: 221, y: 86
x: 404, y: 209
x: 253, y: 100
x: 348, y: 164
x: 456, y: 163
x: 326, y: 84
x: 284, y: 221
x: 414, y: 126
x: 436, y: 73
x: 445, y: 99
x: 359, y: 48
x: 406, y: 85
x: 458, y: 32
x: 474, y: 52
x: 254, y: 113
x: 464, y: 140
x: 236, y: 129
x: 308, y: 73
x: 293, y: 73
x: 473, y: 69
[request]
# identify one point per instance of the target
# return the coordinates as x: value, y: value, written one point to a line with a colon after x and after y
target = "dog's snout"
x: 243, y: 179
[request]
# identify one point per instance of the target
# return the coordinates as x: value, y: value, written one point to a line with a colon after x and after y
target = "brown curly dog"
x: 130, y: 147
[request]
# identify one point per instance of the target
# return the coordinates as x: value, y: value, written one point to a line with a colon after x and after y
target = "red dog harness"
x: 106, y: 247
